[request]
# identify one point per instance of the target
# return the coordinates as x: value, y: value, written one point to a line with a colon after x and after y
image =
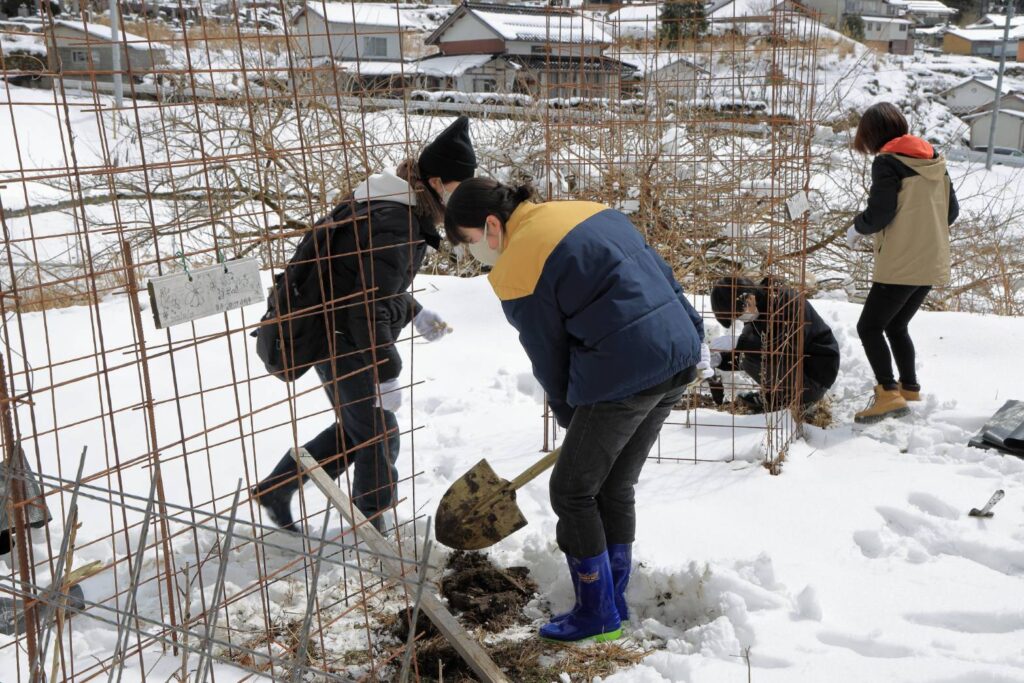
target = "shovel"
x: 987, y: 510
x: 479, y: 509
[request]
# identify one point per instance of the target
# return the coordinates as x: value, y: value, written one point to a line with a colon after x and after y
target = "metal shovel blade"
x: 478, y: 510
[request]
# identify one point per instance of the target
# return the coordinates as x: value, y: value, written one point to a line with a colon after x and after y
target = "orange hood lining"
x: 909, y: 146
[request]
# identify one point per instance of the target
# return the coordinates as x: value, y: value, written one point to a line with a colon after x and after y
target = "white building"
x: 888, y: 34
x: 85, y: 51
x: 969, y: 94
x: 465, y: 73
x: 1010, y: 101
x: 666, y: 75
x: 1009, y: 129
x: 363, y: 30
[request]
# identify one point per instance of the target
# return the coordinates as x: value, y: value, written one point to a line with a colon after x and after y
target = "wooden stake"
x: 464, y: 643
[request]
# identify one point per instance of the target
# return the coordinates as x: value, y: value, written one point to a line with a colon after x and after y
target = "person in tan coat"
x: 911, y: 205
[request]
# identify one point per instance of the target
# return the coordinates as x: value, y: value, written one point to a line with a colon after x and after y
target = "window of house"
x: 374, y: 46
x: 486, y: 85
x: 903, y: 28
x: 79, y: 57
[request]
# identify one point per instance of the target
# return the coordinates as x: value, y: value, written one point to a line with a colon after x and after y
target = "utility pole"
x: 115, y: 47
x: 999, y: 84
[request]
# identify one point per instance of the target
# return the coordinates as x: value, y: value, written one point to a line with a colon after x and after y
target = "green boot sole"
x: 599, y: 638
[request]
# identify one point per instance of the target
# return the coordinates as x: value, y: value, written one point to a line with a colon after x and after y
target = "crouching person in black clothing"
x: 766, y: 349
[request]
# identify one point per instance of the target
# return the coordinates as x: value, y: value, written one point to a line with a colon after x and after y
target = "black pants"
x: 602, y: 455
x: 361, y: 434
x: 887, y: 313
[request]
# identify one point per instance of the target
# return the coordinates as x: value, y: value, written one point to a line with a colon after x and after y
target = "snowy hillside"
x: 857, y: 563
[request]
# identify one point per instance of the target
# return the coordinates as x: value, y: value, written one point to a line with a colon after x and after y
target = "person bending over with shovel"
x: 613, y: 342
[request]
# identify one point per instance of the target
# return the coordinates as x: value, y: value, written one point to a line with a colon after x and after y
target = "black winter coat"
x: 378, y: 255
x: 821, y: 350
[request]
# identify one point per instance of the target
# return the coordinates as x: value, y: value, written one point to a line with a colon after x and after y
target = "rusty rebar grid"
x: 234, y: 146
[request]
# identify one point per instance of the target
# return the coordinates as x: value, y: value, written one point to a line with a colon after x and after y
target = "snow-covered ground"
x: 857, y: 563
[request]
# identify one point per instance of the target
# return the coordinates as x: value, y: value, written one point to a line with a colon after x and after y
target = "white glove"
x: 727, y: 342
x: 854, y: 240
x: 704, y: 368
x: 429, y: 325
x: 389, y: 396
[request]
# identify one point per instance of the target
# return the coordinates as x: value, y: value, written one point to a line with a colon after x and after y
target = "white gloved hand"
x: 727, y: 342
x: 430, y: 326
x: 704, y: 369
x: 389, y: 396
x: 854, y: 240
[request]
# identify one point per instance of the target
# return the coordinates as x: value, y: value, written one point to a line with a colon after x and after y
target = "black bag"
x: 293, y: 336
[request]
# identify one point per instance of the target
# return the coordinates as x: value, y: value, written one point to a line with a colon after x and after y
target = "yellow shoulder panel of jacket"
x: 532, y: 233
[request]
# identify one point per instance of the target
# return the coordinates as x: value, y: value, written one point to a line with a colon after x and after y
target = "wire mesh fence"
x: 176, y: 138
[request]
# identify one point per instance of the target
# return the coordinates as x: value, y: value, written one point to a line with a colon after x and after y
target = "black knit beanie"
x: 450, y: 156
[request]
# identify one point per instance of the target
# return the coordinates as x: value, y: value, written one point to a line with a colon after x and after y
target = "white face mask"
x: 445, y: 196
x: 748, y: 317
x: 482, y: 251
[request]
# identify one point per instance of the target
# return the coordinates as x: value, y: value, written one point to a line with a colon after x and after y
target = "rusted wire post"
x: 16, y: 488
x: 165, y: 533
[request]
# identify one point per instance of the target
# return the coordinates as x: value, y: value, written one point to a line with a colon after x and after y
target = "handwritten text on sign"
x: 181, y: 297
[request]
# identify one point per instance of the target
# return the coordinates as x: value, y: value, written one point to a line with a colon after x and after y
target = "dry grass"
x: 819, y: 414
x: 530, y: 661
x: 840, y: 47
x: 216, y: 36
x: 156, y: 32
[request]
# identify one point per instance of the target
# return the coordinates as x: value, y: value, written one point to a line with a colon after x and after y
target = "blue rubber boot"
x: 595, y: 616
x: 575, y: 591
x: 620, y: 557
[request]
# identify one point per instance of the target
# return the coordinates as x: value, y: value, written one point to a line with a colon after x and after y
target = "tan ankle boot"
x: 910, y: 394
x: 886, y: 403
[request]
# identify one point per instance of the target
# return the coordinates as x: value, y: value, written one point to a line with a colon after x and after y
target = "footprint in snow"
x: 934, y: 528
x: 971, y: 622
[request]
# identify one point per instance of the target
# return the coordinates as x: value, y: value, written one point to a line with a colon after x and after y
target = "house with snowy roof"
x: 925, y: 12
x: 1009, y: 129
x: 635, y: 22
x: 889, y: 35
x: 666, y: 76
x: 85, y: 51
x: 997, y: 21
x: 982, y: 42
x: 1012, y: 100
x: 917, y: 12
x: 540, y: 51
x: 969, y: 94
x: 363, y: 31
x: 740, y: 11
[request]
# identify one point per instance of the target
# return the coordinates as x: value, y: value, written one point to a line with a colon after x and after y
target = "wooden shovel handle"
x: 535, y: 469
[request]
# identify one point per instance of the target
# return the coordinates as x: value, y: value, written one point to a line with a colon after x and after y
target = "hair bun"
x: 522, y: 193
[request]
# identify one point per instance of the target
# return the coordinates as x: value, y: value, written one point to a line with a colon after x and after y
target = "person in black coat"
x: 766, y: 349
x: 380, y: 237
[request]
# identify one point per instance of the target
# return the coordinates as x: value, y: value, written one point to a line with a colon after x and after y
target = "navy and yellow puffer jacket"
x: 597, y: 310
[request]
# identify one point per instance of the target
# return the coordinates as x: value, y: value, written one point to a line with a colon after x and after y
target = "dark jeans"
x: 887, y: 312
x: 592, y: 483
x: 361, y: 434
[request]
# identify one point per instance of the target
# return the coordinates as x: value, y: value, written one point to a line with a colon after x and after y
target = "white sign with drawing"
x: 181, y: 297
x: 798, y: 205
